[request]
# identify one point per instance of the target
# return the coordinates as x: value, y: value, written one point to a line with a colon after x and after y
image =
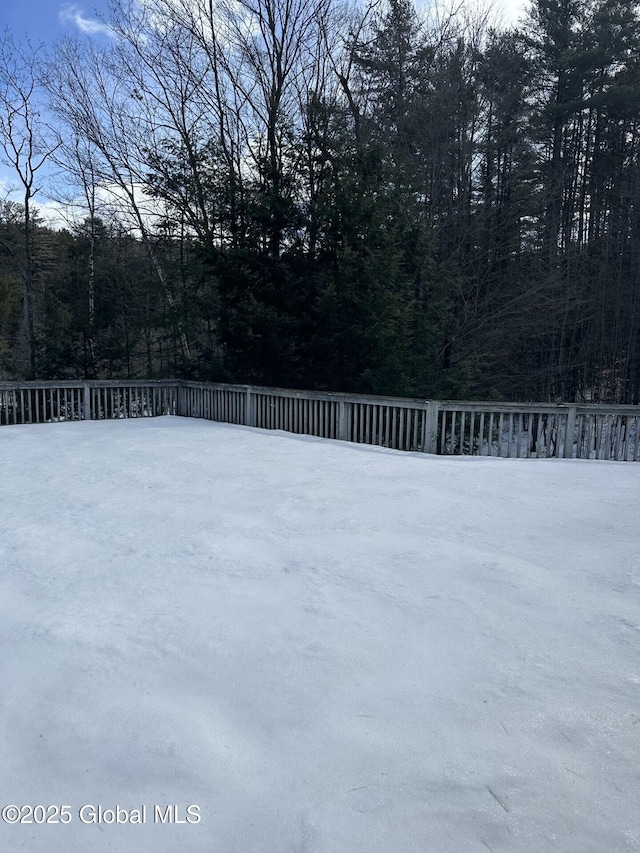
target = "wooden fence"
x: 47, y: 402
x: 510, y: 430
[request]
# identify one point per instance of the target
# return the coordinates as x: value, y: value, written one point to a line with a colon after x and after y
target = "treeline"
x: 364, y: 199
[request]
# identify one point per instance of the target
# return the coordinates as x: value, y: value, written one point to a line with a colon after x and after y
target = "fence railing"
x: 47, y: 402
x: 510, y: 430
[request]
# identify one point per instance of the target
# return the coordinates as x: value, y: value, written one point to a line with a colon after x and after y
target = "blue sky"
x: 44, y: 21
x: 47, y: 20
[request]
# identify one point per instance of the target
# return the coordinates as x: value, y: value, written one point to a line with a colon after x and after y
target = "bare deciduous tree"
x: 96, y: 101
x: 27, y: 141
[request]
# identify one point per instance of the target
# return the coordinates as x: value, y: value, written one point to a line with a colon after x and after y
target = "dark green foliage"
x: 442, y: 212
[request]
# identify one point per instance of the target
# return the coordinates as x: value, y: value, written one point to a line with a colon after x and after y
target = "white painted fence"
x: 520, y: 430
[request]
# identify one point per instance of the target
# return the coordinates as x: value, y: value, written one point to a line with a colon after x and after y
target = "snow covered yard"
x: 326, y: 647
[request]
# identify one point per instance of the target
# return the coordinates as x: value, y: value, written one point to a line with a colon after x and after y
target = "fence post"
x: 249, y: 417
x: 86, y: 406
x: 430, y: 439
x: 342, y: 420
x: 568, y: 436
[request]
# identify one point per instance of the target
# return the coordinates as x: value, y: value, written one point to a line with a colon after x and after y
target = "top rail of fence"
x: 6, y: 385
x: 444, y: 405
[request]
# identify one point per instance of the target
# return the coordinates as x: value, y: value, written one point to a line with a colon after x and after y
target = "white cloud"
x: 514, y: 10
x: 7, y: 185
x: 51, y: 213
x: 499, y: 14
x: 89, y: 26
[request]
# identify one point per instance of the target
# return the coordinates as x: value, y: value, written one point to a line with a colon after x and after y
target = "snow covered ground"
x: 324, y: 646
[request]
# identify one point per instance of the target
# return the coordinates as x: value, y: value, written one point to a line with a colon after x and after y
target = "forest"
x: 365, y: 198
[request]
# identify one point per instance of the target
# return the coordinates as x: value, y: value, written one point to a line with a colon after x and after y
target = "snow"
x: 325, y: 646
